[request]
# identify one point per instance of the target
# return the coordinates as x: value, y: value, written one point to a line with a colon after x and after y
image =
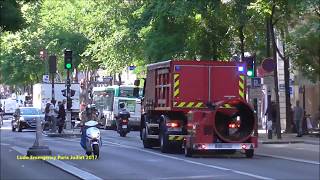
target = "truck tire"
x: 164, y: 143
x: 147, y: 143
x: 249, y: 153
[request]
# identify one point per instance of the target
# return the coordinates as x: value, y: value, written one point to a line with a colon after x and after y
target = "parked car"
x: 26, y: 118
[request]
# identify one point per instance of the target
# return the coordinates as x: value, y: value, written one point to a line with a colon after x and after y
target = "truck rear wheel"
x: 249, y: 153
x: 147, y: 143
x: 164, y: 144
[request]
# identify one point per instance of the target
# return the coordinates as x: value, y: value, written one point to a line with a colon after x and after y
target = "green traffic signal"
x: 68, y: 66
x: 250, y: 73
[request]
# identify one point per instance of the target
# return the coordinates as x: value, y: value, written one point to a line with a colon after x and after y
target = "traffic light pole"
x: 68, y: 112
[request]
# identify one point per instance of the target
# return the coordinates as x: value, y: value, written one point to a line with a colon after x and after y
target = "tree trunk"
x: 268, y: 48
x: 241, y: 36
x: 287, y: 89
x: 274, y: 56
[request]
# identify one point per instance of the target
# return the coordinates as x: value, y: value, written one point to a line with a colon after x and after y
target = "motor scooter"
x: 92, y: 142
x: 123, y: 123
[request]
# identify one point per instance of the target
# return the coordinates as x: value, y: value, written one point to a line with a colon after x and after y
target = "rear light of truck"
x: 172, y: 124
x: 234, y: 125
x: 243, y: 146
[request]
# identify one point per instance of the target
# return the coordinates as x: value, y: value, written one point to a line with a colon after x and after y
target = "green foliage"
x: 304, y: 47
x: 10, y: 15
x: 114, y: 34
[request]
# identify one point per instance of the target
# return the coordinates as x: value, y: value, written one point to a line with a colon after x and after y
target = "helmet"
x: 122, y: 105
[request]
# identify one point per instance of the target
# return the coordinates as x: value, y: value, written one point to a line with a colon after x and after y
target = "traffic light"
x: 250, y: 66
x: 64, y: 92
x: 68, y: 59
x: 52, y: 64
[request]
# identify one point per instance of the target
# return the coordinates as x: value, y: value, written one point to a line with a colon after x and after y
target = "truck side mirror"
x: 137, y: 82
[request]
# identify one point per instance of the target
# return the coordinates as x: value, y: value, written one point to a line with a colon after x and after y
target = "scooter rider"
x: 89, y: 114
x: 123, y: 110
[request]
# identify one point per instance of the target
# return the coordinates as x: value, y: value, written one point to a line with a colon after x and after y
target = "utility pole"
x: 52, y: 70
x: 68, y: 66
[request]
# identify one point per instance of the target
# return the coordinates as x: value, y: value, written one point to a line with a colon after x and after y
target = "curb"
x: 289, y: 142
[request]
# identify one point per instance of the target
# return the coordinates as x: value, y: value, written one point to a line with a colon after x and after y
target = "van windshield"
x: 128, y: 92
x: 103, y: 100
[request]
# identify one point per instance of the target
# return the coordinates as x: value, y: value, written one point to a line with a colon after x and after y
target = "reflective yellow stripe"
x: 176, y: 84
x: 241, y: 84
x: 176, y: 92
x: 199, y: 105
x: 190, y: 104
x: 227, y: 106
x: 176, y: 137
x: 242, y: 77
x: 176, y: 76
x: 175, y: 103
x: 181, y: 104
x: 241, y: 93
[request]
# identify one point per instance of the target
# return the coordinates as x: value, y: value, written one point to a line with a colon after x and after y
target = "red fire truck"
x: 198, y: 105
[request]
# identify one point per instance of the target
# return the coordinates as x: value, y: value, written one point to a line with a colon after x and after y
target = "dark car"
x: 26, y: 118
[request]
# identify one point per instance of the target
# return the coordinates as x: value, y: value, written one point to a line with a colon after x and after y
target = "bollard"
x: 38, y: 148
x: 269, y: 127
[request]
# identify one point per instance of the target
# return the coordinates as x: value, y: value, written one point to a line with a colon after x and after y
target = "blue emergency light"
x: 240, y: 68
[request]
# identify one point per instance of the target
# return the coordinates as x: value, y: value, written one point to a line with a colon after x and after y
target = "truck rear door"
x: 195, y: 85
x: 190, y: 88
x: 225, y: 83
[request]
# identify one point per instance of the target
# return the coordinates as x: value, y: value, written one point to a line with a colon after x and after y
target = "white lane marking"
x: 4, y: 144
x: 64, y: 166
x: 288, y: 158
x: 193, y: 162
x: 189, y: 177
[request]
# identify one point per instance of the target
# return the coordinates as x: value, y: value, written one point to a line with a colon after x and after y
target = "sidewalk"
x: 288, y: 138
x: 65, y: 133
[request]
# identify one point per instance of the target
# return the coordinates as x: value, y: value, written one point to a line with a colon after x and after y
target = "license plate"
x: 124, y: 126
x: 223, y: 146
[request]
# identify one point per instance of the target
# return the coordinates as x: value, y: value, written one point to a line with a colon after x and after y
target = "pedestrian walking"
x: 298, y: 114
x: 61, y: 116
x: 271, y: 114
x: 53, y: 116
x: 316, y: 120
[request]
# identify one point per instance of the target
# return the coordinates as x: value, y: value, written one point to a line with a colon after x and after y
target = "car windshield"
x: 29, y: 111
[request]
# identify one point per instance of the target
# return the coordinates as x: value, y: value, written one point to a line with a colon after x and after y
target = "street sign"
x: 107, y: 78
x: 256, y: 82
x: 268, y: 64
x: 255, y: 93
x: 45, y: 78
x: 132, y: 68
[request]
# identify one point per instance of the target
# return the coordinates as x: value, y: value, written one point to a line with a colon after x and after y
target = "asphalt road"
x: 125, y: 158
